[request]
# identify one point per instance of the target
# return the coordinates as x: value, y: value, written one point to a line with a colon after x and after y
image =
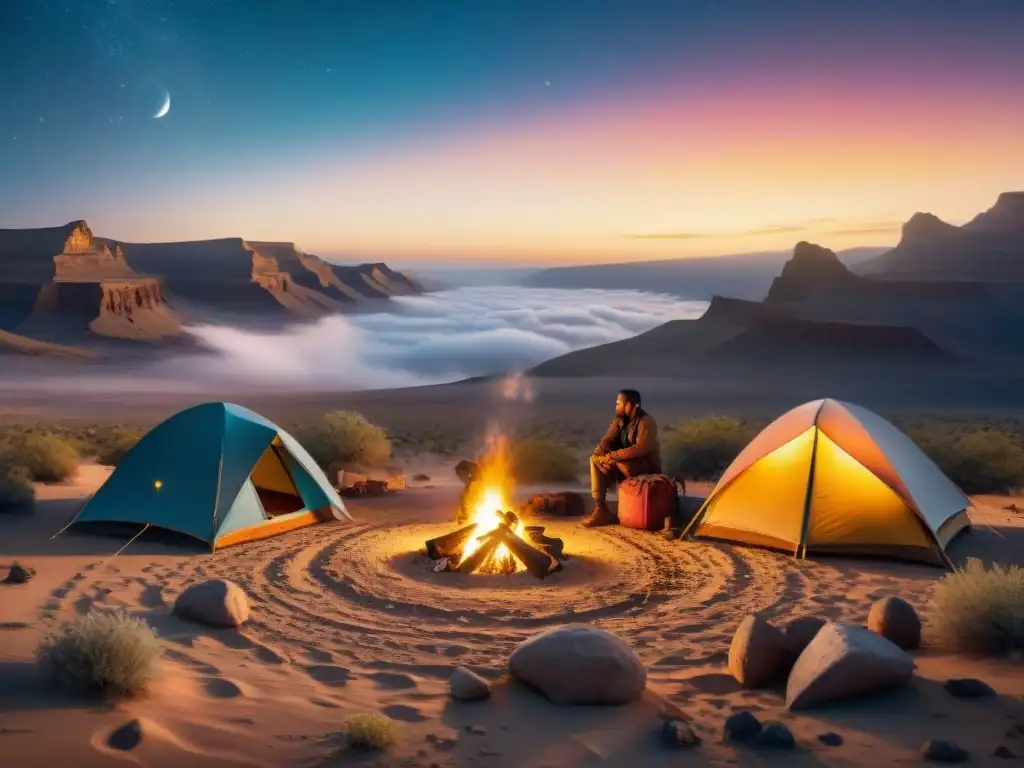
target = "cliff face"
x: 59, y: 283
x: 260, y: 279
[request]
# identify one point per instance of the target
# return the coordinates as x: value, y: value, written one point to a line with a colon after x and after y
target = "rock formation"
x: 989, y: 248
x: 61, y: 282
x: 811, y: 268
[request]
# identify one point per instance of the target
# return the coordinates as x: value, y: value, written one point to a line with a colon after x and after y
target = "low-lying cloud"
x: 428, y: 339
x: 433, y: 338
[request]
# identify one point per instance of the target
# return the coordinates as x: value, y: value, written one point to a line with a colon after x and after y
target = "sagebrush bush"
x: 112, y: 444
x: 702, y: 449
x: 106, y: 651
x: 370, y: 731
x: 979, y: 611
x: 16, y: 491
x: 537, y: 460
x: 343, y: 439
x: 977, y: 458
x: 47, y: 458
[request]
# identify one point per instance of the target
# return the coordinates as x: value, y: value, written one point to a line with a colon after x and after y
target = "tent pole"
x: 801, y: 547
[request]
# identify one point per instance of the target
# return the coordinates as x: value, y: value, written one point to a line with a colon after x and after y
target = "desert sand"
x: 349, y: 617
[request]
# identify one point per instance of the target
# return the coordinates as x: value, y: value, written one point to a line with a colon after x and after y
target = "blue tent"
x: 220, y: 473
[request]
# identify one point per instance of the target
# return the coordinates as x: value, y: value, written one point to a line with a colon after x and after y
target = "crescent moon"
x: 166, y: 106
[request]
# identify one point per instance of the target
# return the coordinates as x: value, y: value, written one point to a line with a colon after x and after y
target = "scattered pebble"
x: 478, y: 730
x: 1003, y: 752
x: 742, y: 726
x: 679, y: 733
x: 777, y: 736
x: 19, y: 574
x: 969, y: 688
x: 830, y: 739
x: 943, y: 752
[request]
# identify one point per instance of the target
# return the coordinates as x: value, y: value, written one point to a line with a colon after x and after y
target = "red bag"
x: 646, y: 500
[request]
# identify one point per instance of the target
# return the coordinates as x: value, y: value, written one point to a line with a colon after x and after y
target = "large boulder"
x: 579, y: 664
x: 759, y: 654
x: 896, y: 620
x: 218, y: 602
x: 845, y: 660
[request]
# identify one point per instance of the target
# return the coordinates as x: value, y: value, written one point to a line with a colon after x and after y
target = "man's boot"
x: 600, y: 516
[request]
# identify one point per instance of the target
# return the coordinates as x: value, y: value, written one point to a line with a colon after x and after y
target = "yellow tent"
x: 830, y: 476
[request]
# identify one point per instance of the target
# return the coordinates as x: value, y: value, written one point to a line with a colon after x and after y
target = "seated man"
x: 629, y: 448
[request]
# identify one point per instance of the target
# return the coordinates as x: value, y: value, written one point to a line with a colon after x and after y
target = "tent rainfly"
x: 220, y: 473
x: 832, y: 477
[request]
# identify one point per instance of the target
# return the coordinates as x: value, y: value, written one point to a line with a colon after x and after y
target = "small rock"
x: 477, y: 730
x: 419, y: 477
x: 777, y: 736
x: 127, y: 737
x: 800, y: 631
x: 845, y: 660
x: 1015, y: 729
x: 19, y: 574
x: 830, y: 739
x: 968, y: 688
x: 466, y: 685
x: 742, y: 726
x: 1003, y: 752
x: 489, y: 752
x: 896, y: 621
x: 679, y: 733
x: 578, y: 664
x: 758, y: 654
x: 421, y: 753
x: 218, y: 603
x: 943, y: 752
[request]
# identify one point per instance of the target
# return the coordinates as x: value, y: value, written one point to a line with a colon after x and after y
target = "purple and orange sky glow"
x: 527, y: 132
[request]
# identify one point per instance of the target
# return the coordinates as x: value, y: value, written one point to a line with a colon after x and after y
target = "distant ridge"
x: 988, y: 248
x: 744, y: 276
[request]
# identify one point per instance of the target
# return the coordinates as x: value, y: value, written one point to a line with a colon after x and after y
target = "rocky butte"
x: 65, y: 286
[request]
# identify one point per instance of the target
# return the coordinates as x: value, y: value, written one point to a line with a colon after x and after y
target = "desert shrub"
x: 370, y: 731
x: 112, y: 444
x: 106, y: 651
x: 702, y: 449
x: 344, y: 439
x: 16, y: 491
x: 979, y: 611
x: 979, y: 459
x: 538, y: 460
x: 47, y: 458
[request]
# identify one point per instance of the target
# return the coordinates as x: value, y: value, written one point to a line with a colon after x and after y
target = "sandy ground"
x: 350, y: 618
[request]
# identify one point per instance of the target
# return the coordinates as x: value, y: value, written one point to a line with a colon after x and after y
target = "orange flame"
x: 490, y: 493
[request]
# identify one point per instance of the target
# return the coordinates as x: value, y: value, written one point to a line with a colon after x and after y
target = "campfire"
x: 495, y: 540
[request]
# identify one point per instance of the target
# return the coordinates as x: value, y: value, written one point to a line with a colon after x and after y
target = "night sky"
x: 514, y: 130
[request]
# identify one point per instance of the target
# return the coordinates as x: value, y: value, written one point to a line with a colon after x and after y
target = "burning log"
x: 483, y: 553
x: 551, y: 545
x: 451, y: 543
x: 538, y: 563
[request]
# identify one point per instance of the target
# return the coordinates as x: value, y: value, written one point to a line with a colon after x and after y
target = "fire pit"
x: 497, y: 546
x: 495, y: 540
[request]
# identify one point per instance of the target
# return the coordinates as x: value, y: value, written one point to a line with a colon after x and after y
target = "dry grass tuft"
x: 979, y: 611
x: 113, y: 444
x: 538, y: 460
x: 106, y: 651
x: 47, y: 458
x: 343, y: 439
x: 370, y: 732
x: 16, y: 491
